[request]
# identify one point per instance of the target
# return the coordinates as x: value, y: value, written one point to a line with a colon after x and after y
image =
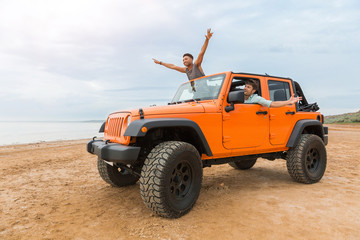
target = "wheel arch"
x: 305, y: 126
x: 186, y: 129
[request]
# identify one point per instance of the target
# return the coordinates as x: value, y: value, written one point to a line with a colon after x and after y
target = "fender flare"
x: 134, y: 129
x: 102, y: 128
x: 299, y: 128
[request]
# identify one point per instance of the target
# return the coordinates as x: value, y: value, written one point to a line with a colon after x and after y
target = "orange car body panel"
x: 235, y: 133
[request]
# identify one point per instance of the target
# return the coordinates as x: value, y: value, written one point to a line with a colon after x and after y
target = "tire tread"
x: 295, y: 162
x: 152, y: 175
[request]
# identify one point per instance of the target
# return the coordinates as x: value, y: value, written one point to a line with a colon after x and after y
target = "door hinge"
x: 226, y: 117
x: 226, y: 138
x: 272, y: 136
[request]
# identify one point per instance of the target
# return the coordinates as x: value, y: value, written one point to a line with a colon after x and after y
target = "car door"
x: 281, y: 119
x: 246, y: 126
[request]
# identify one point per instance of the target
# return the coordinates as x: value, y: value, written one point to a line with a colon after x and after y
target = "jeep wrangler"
x: 207, y: 123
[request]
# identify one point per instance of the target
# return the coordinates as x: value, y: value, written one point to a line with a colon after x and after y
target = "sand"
x: 52, y: 191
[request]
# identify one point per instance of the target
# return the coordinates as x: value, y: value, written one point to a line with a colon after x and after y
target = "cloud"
x: 84, y: 59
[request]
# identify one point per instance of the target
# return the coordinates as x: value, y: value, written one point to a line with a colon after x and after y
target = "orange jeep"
x: 207, y: 123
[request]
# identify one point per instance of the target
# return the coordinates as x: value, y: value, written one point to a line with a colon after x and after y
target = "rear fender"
x: 312, y: 126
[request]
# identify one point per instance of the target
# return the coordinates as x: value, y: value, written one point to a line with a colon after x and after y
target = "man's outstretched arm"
x: 292, y: 100
x: 200, y: 58
x: 171, y: 66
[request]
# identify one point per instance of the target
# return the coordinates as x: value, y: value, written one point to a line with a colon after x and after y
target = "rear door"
x: 281, y: 119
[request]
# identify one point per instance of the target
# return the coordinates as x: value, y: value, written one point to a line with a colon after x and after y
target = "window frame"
x: 286, y: 87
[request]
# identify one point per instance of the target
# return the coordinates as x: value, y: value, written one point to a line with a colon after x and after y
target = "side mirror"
x: 234, y: 97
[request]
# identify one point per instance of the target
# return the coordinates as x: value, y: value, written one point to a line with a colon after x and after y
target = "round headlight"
x: 128, y: 120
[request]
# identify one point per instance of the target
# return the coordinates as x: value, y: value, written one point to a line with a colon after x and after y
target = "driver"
x: 250, y: 97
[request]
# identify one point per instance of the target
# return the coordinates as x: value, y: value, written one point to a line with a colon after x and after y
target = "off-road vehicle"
x: 208, y: 123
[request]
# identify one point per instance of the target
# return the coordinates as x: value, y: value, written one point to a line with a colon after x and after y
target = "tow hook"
x: 130, y: 170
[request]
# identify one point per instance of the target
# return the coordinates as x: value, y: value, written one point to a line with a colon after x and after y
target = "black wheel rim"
x: 312, y: 160
x: 180, y: 180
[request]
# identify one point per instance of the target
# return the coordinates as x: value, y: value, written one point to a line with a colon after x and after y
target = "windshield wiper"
x: 193, y: 100
x: 171, y: 103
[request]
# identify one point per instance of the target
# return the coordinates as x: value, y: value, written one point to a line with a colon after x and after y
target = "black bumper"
x: 326, y: 132
x: 326, y: 139
x: 113, y: 152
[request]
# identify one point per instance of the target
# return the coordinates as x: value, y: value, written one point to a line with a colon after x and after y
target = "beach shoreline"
x: 18, y: 133
x: 65, y: 141
x: 52, y: 190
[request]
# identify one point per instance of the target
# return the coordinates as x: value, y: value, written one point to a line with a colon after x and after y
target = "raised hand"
x: 156, y: 61
x: 294, y: 99
x: 209, y: 34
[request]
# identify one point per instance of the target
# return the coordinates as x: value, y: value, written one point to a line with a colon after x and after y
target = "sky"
x: 81, y: 60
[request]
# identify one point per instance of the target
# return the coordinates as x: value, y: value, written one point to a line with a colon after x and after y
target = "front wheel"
x: 306, y: 162
x: 171, y: 178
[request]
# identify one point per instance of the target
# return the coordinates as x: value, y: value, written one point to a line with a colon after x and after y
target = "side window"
x: 238, y: 84
x: 279, y: 91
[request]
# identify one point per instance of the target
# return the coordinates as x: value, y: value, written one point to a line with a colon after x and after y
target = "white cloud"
x: 63, y: 56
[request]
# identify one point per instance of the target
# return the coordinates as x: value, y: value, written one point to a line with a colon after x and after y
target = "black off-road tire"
x: 114, y: 175
x: 171, y: 178
x: 243, y: 163
x: 306, y: 162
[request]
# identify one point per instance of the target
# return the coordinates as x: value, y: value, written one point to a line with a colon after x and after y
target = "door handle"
x: 290, y: 113
x: 259, y: 112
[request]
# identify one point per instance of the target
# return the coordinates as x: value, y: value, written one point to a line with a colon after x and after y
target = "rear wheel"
x: 306, y: 162
x: 171, y: 178
x: 243, y: 163
x: 114, y: 175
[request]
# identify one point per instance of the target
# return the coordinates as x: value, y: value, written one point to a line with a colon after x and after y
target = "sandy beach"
x: 52, y: 190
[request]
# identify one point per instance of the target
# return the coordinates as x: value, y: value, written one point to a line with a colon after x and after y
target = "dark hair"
x: 189, y: 55
x: 253, y: 83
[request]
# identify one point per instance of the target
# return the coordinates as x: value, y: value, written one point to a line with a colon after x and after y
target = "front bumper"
x: 113, y: 152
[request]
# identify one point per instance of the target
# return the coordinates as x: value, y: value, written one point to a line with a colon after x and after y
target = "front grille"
x: 115, y: 127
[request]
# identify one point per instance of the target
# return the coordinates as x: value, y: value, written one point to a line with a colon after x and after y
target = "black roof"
x: 263, y: 75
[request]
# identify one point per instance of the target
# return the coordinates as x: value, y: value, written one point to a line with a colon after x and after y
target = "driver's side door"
x: 246, y: 126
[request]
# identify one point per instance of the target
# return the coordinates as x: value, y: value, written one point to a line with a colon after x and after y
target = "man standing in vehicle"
x: 192, y: 69
x: 250, y: 97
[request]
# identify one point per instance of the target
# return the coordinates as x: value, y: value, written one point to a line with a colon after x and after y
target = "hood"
x: 183, y: 108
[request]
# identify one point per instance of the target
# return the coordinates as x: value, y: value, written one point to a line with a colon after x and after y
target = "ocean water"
x: 31, y: 132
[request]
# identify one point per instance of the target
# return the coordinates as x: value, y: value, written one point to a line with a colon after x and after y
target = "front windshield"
x: 201, y: 89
